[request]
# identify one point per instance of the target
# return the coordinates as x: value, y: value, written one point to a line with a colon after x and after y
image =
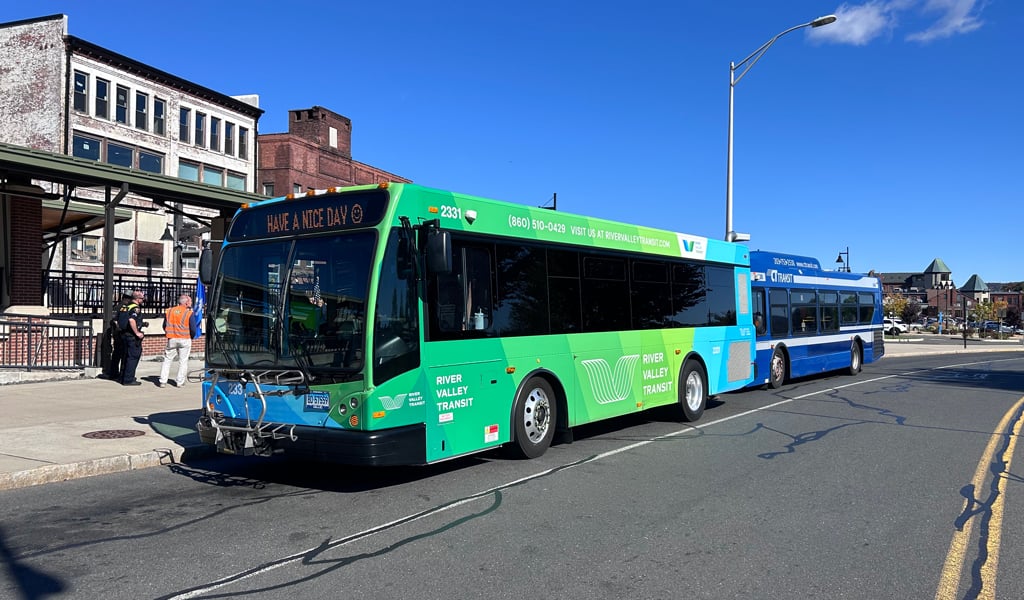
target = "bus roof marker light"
x: 471, y: 216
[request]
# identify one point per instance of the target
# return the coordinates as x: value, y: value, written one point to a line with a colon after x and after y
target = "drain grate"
x: 113, y: 434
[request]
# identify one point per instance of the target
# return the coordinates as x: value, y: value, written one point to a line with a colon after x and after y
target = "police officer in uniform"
x: 116, y: 341
x: 132, y: 336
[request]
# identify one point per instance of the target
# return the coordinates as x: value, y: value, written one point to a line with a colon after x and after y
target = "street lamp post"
x: 845, y: 264
x: 730, y: 235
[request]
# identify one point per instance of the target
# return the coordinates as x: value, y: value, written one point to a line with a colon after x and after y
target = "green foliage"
x: 894, y: 304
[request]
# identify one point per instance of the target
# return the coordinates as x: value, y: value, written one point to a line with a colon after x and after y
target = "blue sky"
x: 896, y: 131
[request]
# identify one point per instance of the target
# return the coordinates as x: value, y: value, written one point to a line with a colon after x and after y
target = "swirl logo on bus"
x: 611, y: 386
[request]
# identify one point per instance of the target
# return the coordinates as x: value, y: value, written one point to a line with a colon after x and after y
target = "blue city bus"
x: 808, y: 320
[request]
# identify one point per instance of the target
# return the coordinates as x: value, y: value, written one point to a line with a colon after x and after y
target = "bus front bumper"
x: 388, y: 447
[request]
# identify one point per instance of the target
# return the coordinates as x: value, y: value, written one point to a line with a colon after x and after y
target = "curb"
x: 102, y: 466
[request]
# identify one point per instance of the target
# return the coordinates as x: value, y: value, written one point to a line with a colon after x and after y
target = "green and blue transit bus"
x: 398, y: 324
x: 811, y: 321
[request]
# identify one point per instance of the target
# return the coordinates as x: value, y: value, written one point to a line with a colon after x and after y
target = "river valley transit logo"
x: 611, y: 386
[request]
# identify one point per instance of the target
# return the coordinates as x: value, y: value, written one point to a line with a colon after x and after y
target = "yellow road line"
x: 991, y: 566
x: 949, y: 582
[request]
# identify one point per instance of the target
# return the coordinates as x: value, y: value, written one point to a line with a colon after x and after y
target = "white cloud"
x: 860, y: 24
x: 857, y: 25
x: 956, y: 17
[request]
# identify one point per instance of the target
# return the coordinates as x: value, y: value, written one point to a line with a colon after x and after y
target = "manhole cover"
x: 113, y: 434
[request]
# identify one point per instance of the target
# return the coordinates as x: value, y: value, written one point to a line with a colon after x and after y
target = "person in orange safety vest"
x: 179, y: 329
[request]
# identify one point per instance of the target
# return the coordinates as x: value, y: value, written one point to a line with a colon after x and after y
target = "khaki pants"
x: 180, y: 347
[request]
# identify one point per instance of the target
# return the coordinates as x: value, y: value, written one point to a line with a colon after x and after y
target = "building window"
x: 149, y: 254
x: 119, y: 155
x: 215, y: 134
x: 183, y: 124
x: 229, y: 138
x: 141, y: 110
x: 189, y: 171
x: 236, y: 181
x: 121, y: 105
x: 296, y: 188
x: 85, y: 247
x: 191, y: 263
x: 84, y: 147
x: 102, y: 99
x: 159, y: 110
x: 81, y: 91
x: 268, y: 188
x: 151, y: 163
x: 123, y: 252
x: 243, y: 143
x: 213, y: 176
x: 200, y: 129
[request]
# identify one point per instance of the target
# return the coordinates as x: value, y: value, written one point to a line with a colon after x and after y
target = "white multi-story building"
x: 65, y: 95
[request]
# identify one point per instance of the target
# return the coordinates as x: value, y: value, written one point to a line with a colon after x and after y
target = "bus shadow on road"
x: 263, y: 472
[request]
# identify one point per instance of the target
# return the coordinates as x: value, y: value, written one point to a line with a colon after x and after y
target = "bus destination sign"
x: 306, y: 215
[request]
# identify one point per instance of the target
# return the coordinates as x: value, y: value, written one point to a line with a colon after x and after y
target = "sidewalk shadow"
x: 177, y: 426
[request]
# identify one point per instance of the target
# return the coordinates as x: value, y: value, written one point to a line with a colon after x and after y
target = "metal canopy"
x: 78, y: 172
x: 19, y: 163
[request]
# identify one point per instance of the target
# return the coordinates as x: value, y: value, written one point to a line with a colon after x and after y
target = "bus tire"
x: 693, y: 391
x: 777, y: 369
x: 856, y: 358
x: 534, y: 417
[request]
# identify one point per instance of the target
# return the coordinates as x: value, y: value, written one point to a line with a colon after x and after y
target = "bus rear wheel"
x: 534, y: 417
x: 855, y: 359
x: 777, y: 369
x: 693, y: 392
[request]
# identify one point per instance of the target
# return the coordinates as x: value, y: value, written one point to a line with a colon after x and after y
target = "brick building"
x: 315, y: 153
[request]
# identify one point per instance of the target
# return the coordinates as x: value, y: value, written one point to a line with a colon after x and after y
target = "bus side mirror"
x: 439, y: 252
x: 206, y: 266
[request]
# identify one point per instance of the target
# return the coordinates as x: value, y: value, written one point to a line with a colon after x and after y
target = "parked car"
x: 894, y: 327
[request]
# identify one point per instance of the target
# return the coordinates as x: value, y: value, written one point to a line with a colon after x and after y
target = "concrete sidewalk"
x: 64, y: 425
x: 56, y: 428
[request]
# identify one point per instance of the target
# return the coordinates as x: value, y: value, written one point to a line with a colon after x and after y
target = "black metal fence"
x: 81, y: 294
x: 33, y: 342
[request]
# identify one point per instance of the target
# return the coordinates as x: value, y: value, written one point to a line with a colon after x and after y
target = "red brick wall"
x: 153, y: 345
x: 26, y: 252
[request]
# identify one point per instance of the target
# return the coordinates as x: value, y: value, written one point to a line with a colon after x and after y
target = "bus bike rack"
x: 258, y: 430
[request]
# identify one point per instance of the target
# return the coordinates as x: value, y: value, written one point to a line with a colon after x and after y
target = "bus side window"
x: 760, y: 325
x: 464, y: 301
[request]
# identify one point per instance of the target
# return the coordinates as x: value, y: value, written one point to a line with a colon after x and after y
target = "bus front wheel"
x: 777, y: 369
x: 693, y: 393
x: 534, y: 418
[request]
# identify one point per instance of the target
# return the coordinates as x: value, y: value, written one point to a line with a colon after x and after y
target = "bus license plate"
x: 318, y: 401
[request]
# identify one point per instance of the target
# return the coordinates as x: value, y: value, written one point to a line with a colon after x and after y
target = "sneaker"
x: 136, y: 382
x: 181, y: 385
x: 159, y: 384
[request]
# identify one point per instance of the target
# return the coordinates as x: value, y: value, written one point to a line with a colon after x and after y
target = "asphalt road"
x: 897, y: 483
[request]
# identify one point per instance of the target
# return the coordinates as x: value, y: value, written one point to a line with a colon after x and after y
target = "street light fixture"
x: 845, y: 263
x: 730, y: 235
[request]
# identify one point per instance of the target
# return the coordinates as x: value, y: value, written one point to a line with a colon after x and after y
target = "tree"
x: 894, y: 304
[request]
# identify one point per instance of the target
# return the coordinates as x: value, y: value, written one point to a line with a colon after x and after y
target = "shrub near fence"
x: 33, y: 342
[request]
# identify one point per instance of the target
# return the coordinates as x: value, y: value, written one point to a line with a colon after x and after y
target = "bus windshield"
x: 293, y: 303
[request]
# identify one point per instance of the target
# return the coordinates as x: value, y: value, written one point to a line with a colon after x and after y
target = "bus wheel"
x: 693, y: 393
x: 855, y: 359
x: 534, y: 418
x: 777, y: 369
